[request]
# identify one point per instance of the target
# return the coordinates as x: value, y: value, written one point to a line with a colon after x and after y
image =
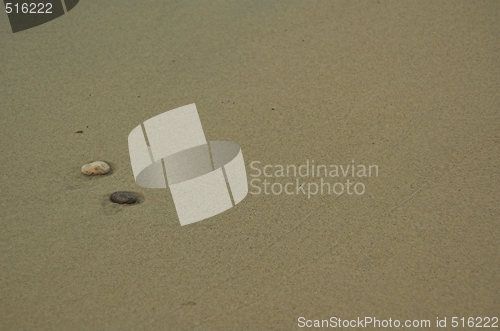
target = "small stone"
x: 122, y: 197
x: 95, y: 168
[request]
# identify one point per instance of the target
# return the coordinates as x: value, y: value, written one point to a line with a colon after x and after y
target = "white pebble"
x: 95, y: 168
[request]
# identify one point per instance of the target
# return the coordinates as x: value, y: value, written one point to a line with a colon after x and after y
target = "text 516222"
x: 28, y: 8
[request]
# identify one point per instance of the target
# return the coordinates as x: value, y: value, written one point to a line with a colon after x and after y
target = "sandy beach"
x: 411, y: 87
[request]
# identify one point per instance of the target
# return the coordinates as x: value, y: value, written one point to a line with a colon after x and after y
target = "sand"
x: 409, y: 86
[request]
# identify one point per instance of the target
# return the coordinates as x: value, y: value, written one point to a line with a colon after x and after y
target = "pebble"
x: 95, y: 168
x: 123, y: 197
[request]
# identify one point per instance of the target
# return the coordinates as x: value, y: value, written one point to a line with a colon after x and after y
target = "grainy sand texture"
x: 409, y: 86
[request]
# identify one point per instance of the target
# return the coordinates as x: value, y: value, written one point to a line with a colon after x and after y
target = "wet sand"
x: 411, y: 87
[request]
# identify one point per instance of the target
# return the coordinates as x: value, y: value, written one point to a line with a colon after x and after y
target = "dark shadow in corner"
x: 25, y: 15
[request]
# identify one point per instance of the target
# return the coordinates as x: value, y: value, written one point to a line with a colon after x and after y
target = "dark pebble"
x: 123, y: 197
